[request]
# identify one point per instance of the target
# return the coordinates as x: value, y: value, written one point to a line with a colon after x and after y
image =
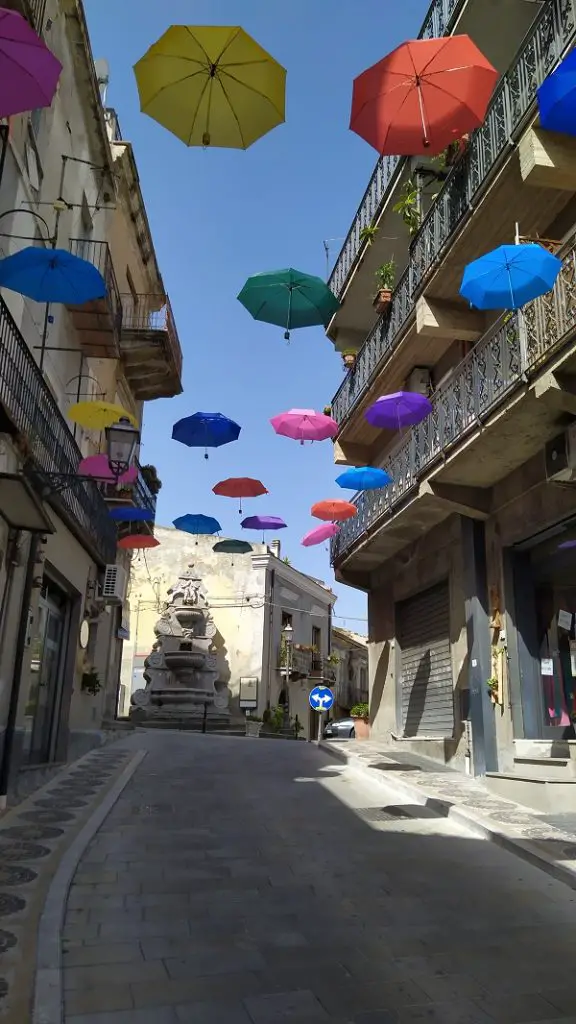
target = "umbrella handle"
x: 289, y: 317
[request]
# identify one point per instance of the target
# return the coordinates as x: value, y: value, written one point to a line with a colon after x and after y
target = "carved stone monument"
x: 181, y: 671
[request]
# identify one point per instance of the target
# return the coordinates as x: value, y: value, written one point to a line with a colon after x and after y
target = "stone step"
x: 548, y: 795
x: 544, y: 767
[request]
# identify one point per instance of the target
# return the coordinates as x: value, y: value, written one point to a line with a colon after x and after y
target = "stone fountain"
x: 181, y: 672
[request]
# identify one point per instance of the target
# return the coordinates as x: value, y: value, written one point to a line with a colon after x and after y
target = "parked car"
x: 340, y: 729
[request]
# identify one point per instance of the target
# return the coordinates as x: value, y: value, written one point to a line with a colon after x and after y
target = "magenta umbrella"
x: 319, y: 534
x: 29, y: 71
x: 304, y: 425
x: 98, y: 467
x: 402, y: 409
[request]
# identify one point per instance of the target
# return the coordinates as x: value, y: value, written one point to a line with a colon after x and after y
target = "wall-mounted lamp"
x: 121, y: 442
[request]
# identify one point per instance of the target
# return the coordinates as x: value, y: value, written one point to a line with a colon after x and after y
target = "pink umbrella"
x: 99, y: 467
x: 304, y: 425
x: 320, y: 533
x: 29, y: 71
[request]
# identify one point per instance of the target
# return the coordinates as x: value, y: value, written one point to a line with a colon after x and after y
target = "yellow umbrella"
x: 211, y: 86
x: 98, y: 415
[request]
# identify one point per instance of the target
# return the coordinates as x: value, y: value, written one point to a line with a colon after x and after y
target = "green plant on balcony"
x: 349, y: 358
x: 368, y: 234
x: 385, y: 280
x: 333, y: 659
x: 408, y: 206
x: 151, y: 478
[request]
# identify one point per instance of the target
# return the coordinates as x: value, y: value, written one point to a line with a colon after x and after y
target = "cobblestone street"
x: 255, y: 881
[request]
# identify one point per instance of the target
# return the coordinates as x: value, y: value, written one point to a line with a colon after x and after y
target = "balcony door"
x: 49, y: 649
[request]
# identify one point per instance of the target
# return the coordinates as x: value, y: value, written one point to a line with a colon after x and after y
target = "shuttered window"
x: 423, y: 630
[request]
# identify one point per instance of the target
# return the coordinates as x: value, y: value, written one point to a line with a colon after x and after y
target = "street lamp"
x: 287, y: 636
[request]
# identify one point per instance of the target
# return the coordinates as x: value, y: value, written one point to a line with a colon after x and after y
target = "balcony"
x: 150, y: 348
x: 512, y: 107
x: 29, y: 411
x: 136, y: 495
x: 296, y: 661
x: 98, y: 322
x: 322, y: 669
x: 33, y: 10
x: 496, y: 412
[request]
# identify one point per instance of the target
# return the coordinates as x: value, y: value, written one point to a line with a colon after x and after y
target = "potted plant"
x: 253, y: 725
x: 90, y: 682
x: 151, y: 479
x: 368, y: 234
x: 327, y: 410
x: 361, y: 715
x: 349, y: 358
x: 408, y: 206
x: 385, y: 279
x: 493, y: 687
x: 333, y: 659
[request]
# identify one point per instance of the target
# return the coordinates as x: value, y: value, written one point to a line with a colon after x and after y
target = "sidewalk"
x: 464, y: 800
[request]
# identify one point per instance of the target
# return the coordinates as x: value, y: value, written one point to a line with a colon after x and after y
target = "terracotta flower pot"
x: 382, y: 300
x: 362, y: 728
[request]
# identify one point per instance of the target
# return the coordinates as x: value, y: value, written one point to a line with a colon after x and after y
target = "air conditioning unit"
x: 113, y: 585
x: 419, y: 381
x: 560, y: 456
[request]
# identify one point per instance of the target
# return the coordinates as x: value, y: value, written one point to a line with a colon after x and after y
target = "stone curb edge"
x: 48, y: 1006
x: 466, y: 818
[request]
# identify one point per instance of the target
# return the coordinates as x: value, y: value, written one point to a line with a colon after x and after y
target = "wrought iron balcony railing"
x: 514, y: 347
x: 513, y: 103
x: 438, y: 22
x: 48, y: 441
x: 322, y: 668
x: 98, y: 253
x: 150, y: 314
x: 137, y: 494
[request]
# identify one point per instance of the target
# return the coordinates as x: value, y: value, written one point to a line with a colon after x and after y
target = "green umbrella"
x: 289, y: 299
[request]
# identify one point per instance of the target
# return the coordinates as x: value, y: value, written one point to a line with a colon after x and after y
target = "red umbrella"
x: 424, y: 95
x: 334, y: 510
x: 136, y: 541
x: 240, y: 487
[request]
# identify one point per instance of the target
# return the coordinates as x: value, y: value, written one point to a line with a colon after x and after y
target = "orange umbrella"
x: 424, y: 95
x: 240, y: 487
x: 136, y: 541
x: 334, y: 510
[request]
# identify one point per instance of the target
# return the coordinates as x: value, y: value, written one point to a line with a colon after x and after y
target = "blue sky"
x: 218, y: 216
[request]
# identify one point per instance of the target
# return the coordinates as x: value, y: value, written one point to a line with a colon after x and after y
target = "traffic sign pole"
x: 320, y: 726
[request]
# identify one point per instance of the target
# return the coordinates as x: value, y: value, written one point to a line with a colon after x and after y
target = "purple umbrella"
x: 29, y: 71
x: 263, y: 523
x: 567, y: 544
x: 402, y: 409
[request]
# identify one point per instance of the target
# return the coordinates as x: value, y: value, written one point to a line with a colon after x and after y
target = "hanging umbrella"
x: 320, y: 534
x: 197, y: 524
x: 240, y: 487
x: 99, y: 415
x: 132, y: 515
x: 205, y: 430
x: 363, y: 478
x: 289, y: 298
x: 424, y: 95
x: 137, y: 541
x: 557, y: 98
x: 566, y: 545
x: 401, y: 409
x: 211, y: 86
x: 29, y: 71
x: 510, y: 276
x: 52, y: 275
x: 334, y: 510
x: 98, y: 466
x: 232, y: 547
x: 263, y: 523
x: 304, y: 425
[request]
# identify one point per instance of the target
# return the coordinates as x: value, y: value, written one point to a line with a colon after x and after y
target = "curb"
x: 48, y: 1005
x: 475, y: 823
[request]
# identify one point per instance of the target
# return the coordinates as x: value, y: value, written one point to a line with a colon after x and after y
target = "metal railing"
x: 137, y: 494
x: 98, y: 253
x: 513, y: 103
x: 143, y: 496
x: 322, y: 668
x: 153, y: 313
x: 47, y: 438
x: 515, y: 346
x: 438, y: 22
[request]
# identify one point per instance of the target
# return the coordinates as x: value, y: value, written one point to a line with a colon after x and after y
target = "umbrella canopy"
x: 29, y: 71
x: 320, y: 534
x: 98, y: 415
x: 289, y: 298
x: 211, y: 86
x: 98, y: 466
x: 510, y: 276
x: 401, y: 409
x: 138, y: 541
x: 304, y: 425
x: 566, y: 545
x: 557, y: 98
x: 197, y: 524
x: 424, y: 95
x: 233, y: 547
x: 240, y: 487
x: 263, y: 523
x: 363, y: 478
x: 205, y: 430
x: 132, y: 515
x: 52, y: 275
x: 334, y: 510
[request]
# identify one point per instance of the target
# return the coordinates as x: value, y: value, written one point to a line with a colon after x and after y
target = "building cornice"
x: 294, y: 578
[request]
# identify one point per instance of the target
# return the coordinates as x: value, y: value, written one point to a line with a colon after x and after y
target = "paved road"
x: 254, y: 882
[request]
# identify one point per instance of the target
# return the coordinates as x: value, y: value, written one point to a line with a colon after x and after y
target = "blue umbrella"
x: 557, y: 98
x: 52, y: 275
x: 205, y: 430
x: 197, y: 524
x: 510, y: 276
x: 135, y: 515
x: 363, y: 478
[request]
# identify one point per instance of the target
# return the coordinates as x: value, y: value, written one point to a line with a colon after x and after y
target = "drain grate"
x: 7, y: 941
x: 31, y: 832
x: 373, y: 814
x: 45, y: 816
x: 10, y: 904
x: 10, y: 875
x: 15, y: 851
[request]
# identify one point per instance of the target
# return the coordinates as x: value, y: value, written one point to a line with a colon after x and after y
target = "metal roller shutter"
x: 423, y: 627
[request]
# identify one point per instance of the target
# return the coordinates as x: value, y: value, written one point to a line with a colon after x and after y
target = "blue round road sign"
x: 321, y: 698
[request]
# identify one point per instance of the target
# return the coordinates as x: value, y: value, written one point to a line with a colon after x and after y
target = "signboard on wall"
x: 249, y: 692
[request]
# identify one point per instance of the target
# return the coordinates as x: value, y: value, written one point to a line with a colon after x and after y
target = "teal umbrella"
x: 289, y: 299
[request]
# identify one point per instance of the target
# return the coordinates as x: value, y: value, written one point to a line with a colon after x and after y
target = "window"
x: 317, y: 639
